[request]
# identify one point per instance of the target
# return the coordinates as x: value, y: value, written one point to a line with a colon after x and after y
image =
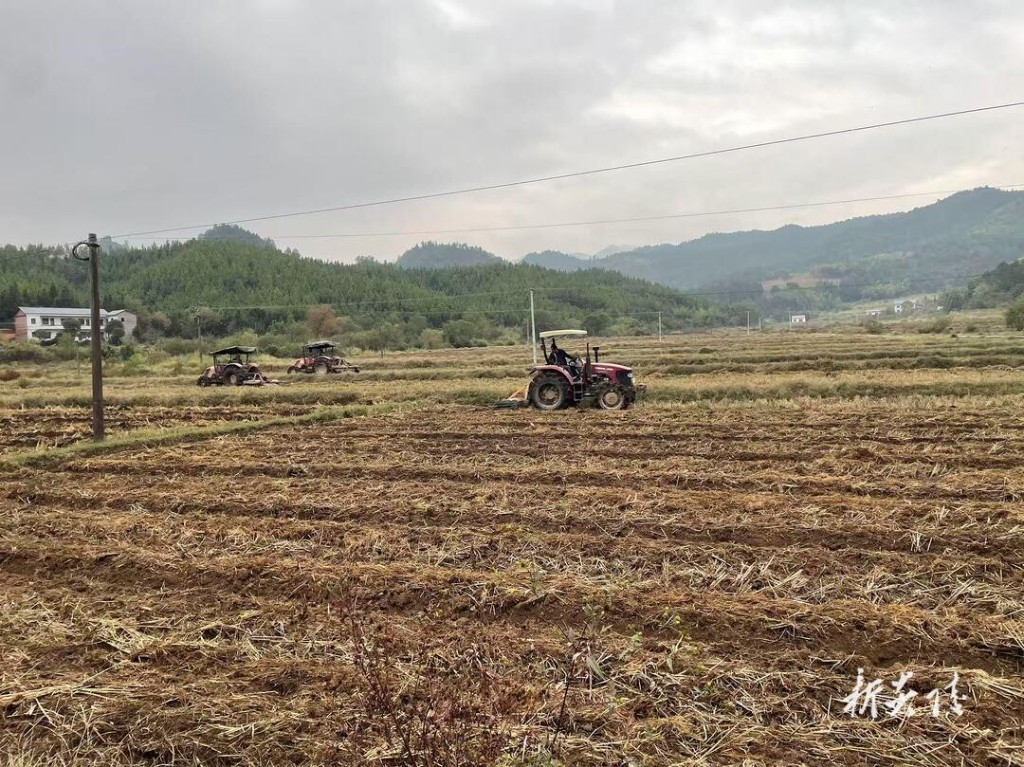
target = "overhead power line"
x: 596, y: 222
x: 581, y: 173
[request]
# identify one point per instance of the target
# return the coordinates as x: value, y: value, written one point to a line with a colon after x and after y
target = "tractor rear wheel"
x: 234, y: 378
x: 320, y: 368
x: 611, y: 398
x: 548, y: 393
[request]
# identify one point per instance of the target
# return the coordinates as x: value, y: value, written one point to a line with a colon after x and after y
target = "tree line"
x: 220, y: 288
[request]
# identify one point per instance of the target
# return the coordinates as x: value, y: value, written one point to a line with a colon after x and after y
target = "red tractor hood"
x: 608, y: 367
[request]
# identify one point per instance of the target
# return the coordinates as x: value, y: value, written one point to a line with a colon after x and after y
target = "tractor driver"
x: 558, y: 356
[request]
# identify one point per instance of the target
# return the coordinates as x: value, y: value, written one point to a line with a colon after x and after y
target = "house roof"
x: 66, y: 311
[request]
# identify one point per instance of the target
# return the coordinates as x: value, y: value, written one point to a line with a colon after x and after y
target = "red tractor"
x: 318, y: 357
x: 232, y: 367
x: 566, y: 380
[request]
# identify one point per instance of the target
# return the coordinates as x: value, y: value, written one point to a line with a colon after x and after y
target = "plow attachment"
x: 515, y: 400
x: 260, y: 380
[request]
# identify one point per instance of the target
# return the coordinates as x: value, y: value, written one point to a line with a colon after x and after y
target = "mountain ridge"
x: 964, y: 233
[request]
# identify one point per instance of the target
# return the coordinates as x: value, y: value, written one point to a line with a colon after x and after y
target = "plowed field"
x: 688, y: 584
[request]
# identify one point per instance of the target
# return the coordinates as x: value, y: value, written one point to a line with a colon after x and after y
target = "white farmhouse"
x: 798, y: 319
x: 30, y: 319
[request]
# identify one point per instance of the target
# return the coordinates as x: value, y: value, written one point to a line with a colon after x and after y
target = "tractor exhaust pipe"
x: 597, y: 354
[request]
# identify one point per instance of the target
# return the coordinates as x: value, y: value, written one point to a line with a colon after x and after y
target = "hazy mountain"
x: 950, y: 240
x: 571, y: 262
x: 958, y: 236
x: 611, y: 250
x: 440, y: 255
x: 555, y: 259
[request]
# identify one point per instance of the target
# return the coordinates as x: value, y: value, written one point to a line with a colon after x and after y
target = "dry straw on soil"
x: 689, y: 582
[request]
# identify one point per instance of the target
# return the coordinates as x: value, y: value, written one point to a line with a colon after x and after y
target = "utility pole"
x: 196, y: 315
x: 533, y: 330
x: 748, y: 321
x: 96, y: 334
x: 659, y: 326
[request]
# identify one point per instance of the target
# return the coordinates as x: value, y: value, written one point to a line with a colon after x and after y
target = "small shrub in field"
x: 9, y: 375
x: 938, y: 325
x: 971, y: 328
x: 135, y: 367
x: 1015, y: 316
x: 873, y: 326
x: 175, y: 346
x: 24, y: 352
x: 934, y: 362
x: 432, y: 339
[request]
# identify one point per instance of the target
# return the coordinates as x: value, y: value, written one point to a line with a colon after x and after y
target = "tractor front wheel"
x: 611, y: 398
x: 548, y: 393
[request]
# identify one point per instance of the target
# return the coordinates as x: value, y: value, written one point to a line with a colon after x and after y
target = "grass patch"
x: 143, y: 438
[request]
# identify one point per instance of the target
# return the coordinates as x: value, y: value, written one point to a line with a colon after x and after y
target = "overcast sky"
x: 125, y: 115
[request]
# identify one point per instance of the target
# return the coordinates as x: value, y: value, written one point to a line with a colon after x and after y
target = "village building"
x: 50, y: 319
x: 909, y: 305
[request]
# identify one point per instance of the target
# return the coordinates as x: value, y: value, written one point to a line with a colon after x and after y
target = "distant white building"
x: 798, y: 319
x: 909, y: 305
x: 30, y: 319
x: 873, y: 312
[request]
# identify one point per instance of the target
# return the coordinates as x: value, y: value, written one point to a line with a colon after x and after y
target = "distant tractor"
x: 319, y: 358
x: 232, y: 367
x: 565, y: 380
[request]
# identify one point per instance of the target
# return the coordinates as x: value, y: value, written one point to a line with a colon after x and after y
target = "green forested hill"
x: 964, y: 234
x: 1000, y: 286
x: 251, y: 286
x: 441, y: 255
x: 554, y: 259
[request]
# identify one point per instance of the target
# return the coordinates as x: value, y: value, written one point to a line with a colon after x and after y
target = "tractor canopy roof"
x: 315, y: 345
x: 563, y: 333
x: 235, y: 350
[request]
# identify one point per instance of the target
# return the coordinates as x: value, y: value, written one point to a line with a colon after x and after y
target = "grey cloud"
x: 141, y: 114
